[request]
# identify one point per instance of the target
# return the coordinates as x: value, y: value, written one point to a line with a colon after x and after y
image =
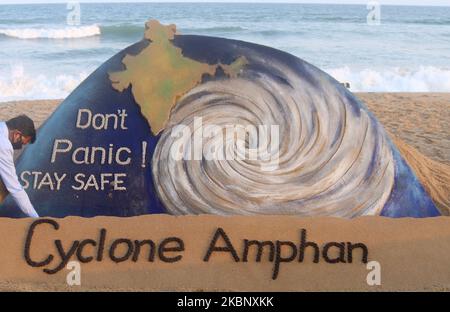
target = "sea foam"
x: 18, y: 83
x: 52, y: 33
x: 421, y: 79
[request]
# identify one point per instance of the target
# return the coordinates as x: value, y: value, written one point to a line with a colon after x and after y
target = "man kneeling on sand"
x: 15, y: 133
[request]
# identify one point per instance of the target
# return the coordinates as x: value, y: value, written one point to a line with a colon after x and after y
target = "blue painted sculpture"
x: 126, y: 141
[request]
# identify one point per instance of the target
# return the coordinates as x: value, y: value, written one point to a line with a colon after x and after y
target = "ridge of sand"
x: 434, y: 176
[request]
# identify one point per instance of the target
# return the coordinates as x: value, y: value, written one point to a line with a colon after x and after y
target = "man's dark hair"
x: 24, y: 124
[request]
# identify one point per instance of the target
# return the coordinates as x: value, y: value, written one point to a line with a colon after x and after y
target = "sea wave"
x: 68, y: 32
x: 22, y: 85
x: 213, y: 29
x: 123, y: 30
x: 434, y: 21
x: 421, y: 79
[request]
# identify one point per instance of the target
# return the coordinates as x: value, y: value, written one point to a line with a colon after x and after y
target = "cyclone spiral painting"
x: 147, y: 132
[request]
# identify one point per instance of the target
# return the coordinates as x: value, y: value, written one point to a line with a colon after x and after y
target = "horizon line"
x: 363, y: 3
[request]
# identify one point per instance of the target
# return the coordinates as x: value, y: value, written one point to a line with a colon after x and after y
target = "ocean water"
x: 42, y: 57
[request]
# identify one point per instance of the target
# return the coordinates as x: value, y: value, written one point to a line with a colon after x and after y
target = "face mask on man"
x: 17, y: 144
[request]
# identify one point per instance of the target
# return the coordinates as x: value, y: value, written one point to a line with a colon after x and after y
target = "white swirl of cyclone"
x: 334, y: 160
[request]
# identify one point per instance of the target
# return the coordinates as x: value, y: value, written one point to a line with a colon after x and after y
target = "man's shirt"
x: 9, y: 176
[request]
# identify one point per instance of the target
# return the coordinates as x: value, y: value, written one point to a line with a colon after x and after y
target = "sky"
x: 382, y: 2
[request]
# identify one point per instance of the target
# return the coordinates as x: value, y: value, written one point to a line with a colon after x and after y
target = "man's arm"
x: 12, y: 184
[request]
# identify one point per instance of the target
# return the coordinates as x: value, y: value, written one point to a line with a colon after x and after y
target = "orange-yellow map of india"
x: 172, y: 74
